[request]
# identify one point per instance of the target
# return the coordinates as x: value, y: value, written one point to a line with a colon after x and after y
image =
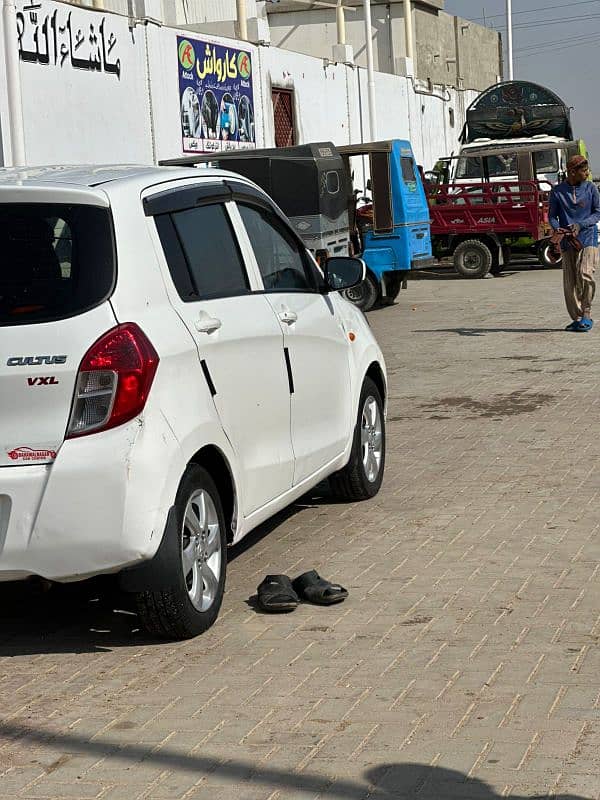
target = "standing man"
x: 573, y: 212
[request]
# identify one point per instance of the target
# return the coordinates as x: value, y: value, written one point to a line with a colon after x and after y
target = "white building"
x: 147, y: 81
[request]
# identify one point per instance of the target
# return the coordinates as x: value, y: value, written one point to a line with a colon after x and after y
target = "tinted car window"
x: 280, y: 259
x: 55, y: 261
x: 215, y: 265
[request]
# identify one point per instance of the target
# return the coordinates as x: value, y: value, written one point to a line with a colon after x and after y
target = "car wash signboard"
x: 216, y: 99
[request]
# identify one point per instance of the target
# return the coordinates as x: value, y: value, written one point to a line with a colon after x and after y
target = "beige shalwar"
x: 578, y: 280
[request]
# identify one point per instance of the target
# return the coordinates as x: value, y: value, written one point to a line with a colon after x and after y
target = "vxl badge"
x: 34, y: 361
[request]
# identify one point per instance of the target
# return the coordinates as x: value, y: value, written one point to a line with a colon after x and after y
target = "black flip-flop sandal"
x: 276, y: 594
x: 310, y: 586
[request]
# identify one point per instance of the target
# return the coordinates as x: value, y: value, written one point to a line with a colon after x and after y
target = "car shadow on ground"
x: 383, y: 781
x: 320, y: 495
x: 483, y: 331
x: 446, y: 272
x: 37, y: 617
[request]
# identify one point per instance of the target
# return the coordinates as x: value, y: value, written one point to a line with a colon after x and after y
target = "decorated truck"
x: 507, y: 118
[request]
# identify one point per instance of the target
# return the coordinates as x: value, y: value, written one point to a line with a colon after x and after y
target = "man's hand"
x: 574, y: 229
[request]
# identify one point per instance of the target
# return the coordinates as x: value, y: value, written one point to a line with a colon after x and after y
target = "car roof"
x: 94, y: 175
x: 100, y: 185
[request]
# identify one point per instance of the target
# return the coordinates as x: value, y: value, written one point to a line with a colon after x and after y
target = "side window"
x: 202, y: 253
x: 280, y: 259
x: 332, y: 181
x: 408, y: 169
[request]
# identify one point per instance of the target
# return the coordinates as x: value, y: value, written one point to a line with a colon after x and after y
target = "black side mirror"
x: 369, y: 185
x: 344, y: 272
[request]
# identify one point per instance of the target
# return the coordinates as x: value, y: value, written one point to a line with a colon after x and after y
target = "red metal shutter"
x: 283, y: 116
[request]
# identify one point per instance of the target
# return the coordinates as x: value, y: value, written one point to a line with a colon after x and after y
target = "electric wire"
x: 533, y: 10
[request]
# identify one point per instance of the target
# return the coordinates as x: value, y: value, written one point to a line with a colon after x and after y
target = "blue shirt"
x: 580, y: 204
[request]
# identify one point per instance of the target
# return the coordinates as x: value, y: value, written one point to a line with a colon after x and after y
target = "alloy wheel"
x: 201, y: 555
x: 371, y: 438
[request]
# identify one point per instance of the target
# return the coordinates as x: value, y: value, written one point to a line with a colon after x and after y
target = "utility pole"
x: 408, y: 29
x: 509, y: 39
x: 370, y: 71
x: 13, y: 84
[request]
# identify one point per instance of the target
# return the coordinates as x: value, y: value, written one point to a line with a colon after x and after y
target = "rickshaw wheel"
x: 473, y: 259
x: 365, y: 295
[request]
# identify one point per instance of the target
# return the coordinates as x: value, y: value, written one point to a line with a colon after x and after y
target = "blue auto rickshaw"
x: 392, y: 232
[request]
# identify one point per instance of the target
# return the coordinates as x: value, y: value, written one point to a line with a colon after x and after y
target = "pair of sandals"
x: 277, y: 593
x: 580, y: 325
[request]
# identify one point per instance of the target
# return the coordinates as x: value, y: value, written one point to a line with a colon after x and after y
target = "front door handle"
x: 207, y: 324
x: 288, y: 316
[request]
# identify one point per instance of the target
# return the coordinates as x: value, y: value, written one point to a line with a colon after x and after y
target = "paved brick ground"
x: 465, y: 662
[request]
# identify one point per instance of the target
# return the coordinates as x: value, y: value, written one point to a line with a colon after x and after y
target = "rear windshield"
x: 56, y: 261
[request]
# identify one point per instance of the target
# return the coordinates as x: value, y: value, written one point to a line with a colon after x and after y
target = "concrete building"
x: 447, y: 50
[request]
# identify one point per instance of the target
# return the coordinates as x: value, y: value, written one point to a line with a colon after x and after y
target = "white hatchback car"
x: 174, y: 369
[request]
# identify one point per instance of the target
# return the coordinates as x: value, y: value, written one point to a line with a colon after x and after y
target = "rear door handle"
x: 207, y: 324
x: 288, y: 316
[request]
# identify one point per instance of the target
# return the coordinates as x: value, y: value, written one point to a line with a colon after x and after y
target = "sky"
x: 555, y: 44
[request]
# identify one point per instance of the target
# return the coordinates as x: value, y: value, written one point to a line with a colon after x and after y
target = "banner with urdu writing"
x: 216, y: 97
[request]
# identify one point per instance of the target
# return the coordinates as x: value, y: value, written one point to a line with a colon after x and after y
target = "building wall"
x: 456, y: 52
x: 315, y: 33
x: 77, y: 114
x: 75, y: 108
x: 435, y: 51
x: 447, y: 48
x: 475, y: 48
x: 321, y: 106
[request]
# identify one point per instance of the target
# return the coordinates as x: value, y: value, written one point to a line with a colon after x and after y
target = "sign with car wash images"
x: 216, y: 98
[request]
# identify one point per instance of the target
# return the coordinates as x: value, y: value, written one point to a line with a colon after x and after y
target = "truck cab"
x: 549, y: 163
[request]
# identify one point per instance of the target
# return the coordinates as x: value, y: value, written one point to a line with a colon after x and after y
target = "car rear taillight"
x: 114, y: 380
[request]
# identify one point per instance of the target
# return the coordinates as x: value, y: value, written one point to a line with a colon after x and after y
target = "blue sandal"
x: 584, y: 325
x: 573, y: 326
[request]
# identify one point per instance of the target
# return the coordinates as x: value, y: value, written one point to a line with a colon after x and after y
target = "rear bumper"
x: 102, y: 505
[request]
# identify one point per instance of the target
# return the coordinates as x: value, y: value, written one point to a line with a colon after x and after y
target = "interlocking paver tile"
x: 463, y: 665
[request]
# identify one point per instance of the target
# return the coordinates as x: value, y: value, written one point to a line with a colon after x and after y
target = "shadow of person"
x: 424, y: 782
x: 235, y: 774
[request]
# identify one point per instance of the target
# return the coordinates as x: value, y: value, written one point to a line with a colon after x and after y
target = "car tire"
x: 543, y: 249
x: 190, y: 603
x: 473, y: 259
x: 365, y: 295
x: 361, y: 478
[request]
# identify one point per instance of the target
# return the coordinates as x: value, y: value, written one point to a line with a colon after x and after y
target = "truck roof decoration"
x: 516, y: 109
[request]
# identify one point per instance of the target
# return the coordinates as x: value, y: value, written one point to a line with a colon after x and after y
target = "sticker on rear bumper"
x: 31, y: 454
